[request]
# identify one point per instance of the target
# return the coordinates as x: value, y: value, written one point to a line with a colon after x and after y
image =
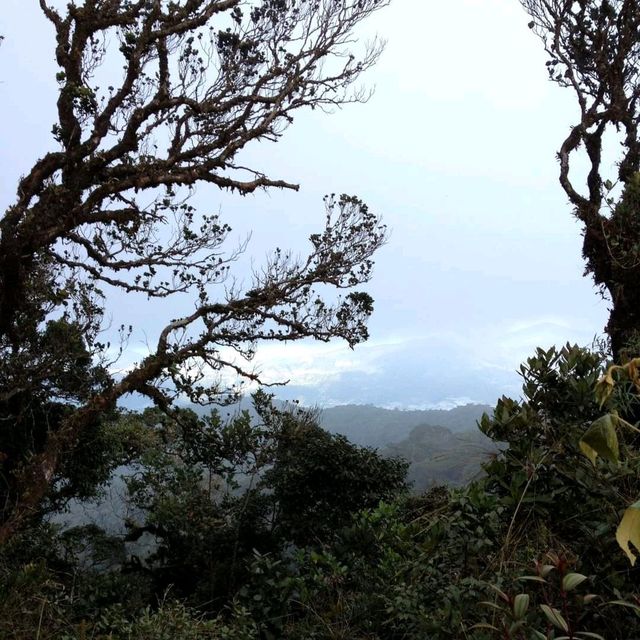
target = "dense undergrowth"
x: 276, y: 529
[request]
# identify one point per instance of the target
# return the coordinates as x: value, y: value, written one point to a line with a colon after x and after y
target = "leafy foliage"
x: 212, y: 494
x: 319, y: 480
x: 274, y: 528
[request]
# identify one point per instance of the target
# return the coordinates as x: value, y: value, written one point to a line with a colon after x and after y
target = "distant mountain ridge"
x: 371, y: 426
x: 442, y: 446
x: 436, y: 455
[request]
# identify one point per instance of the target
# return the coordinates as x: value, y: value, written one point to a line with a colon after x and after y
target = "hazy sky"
x: 456, y: 150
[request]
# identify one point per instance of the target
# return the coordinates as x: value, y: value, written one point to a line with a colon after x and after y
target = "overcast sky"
x: 456, y: 149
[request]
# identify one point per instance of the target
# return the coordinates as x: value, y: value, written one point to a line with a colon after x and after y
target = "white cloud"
x: 309, y: 364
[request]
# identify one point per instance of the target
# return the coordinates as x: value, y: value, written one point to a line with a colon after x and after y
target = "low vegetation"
x: 272, y: 527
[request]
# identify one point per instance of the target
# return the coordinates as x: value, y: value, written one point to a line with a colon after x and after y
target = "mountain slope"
x: 439, y: 456
x: 371, y: 426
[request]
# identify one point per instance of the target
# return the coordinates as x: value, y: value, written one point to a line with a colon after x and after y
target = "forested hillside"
x: 371, y: 426
x: 442, y: 447
x: 438, y: 456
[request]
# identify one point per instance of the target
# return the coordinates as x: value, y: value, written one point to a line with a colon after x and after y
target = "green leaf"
x: 572, y: 580
x: 484, y: 625
x: 516, y: 626
x: 538, y: 635
x: 520, y: 605
x: 532, y: 579
x: 629, y: 531
x: 601, y: 439
x: 624, y: 603
x: 589, y: 634
x: 554, y: 617
x: 502, y: 594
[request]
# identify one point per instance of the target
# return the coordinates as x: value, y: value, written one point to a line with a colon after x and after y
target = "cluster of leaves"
x: 561, y: 607
x: 418, y: 571
x: 401, y: 568
x: 214, y: 493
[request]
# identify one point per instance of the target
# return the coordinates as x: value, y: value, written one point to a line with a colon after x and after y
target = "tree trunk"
x: 611, y: 249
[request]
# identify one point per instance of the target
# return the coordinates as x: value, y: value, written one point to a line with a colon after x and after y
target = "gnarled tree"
x: 157, y: 96
x: 594, y: 49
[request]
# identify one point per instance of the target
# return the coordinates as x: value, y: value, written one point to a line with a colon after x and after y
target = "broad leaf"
x: 502, y: 594
x: 601, y: 439
x: 624, y: 603
x: 572, y: 580
x: 629, y: 531
x: 520, y: 605
x: 554, y: 617
x: 485, y: 625
x: 532, y: 579
x: 604, y: 387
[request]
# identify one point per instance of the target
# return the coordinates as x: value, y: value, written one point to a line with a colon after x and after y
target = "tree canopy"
x: 593, y: 50
x: 155, y: 98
